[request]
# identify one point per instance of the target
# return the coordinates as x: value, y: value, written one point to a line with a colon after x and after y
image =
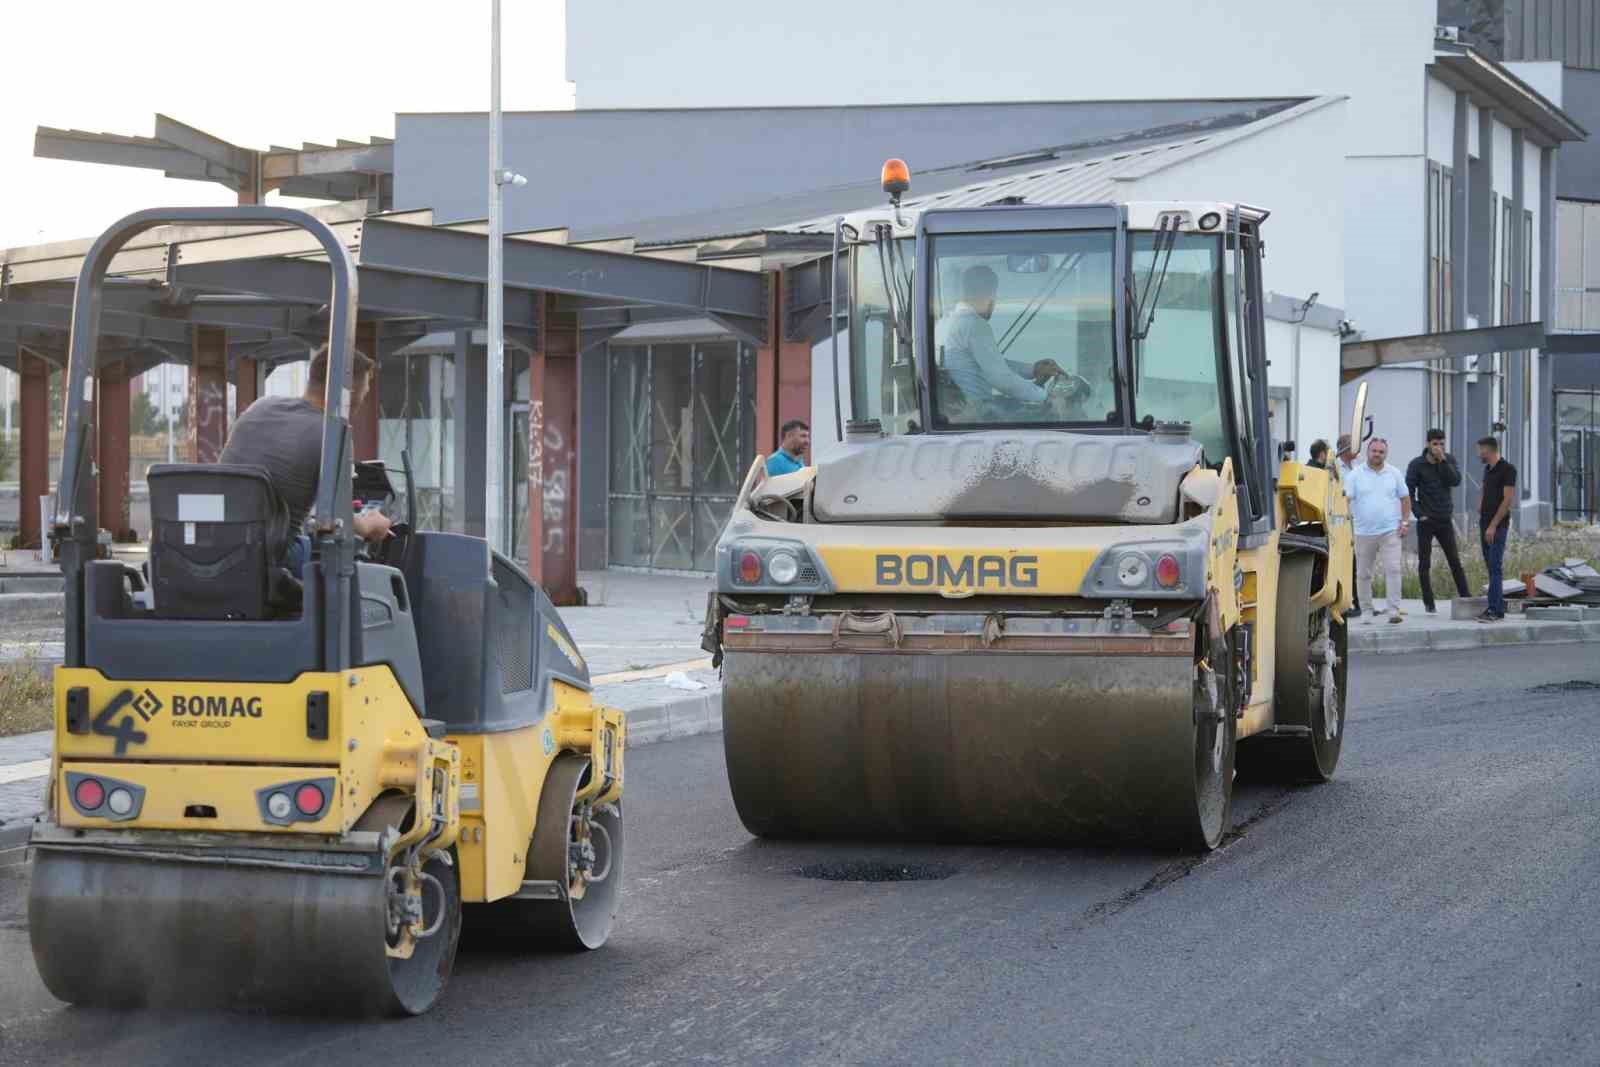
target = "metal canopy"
x: 268, y: 284
x: 346, y: 171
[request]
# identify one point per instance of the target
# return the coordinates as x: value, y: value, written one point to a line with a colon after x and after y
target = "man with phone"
x: 1430, y: 478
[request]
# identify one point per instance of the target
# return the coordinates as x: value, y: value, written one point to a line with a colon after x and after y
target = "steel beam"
x: 1358, y: 357
x: 78, y: 146
x: 452, y: 254
x: 113, y: 323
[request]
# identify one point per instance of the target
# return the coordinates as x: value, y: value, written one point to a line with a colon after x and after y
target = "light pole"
x: 1292, y: 431
x: 494, y: 423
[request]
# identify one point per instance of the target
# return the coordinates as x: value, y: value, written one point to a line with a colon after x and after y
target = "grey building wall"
x: 1578, y: 172
x: 1564, y: 30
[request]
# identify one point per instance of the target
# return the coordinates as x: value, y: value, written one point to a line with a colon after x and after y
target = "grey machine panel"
x: 1003, y: 474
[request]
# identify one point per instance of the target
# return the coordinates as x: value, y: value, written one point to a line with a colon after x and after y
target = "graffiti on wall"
x: 555, y: 492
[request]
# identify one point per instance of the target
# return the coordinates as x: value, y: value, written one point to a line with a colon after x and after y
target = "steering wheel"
x: 1065, y: 395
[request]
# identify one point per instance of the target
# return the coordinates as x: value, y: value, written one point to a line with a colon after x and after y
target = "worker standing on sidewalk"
x: 1429, y: 479
x: 1381, y: 508
x: 1494, y: 518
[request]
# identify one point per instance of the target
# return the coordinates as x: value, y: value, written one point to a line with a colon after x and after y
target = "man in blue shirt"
x: 793, y: 440
x: 1380, y: 504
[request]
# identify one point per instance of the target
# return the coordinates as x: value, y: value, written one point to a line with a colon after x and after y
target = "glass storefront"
x: 416, y: 403
x: 1577, y: 456
x: 682, y: 435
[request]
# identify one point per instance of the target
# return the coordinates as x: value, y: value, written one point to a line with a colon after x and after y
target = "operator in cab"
x: 972, y: 360
x: 283, y: 435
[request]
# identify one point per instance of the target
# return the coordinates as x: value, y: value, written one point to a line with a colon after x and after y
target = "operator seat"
x: 218, y: 534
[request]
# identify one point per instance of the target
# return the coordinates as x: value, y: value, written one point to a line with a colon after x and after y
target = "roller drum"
x: 121, y: 930
x: 982, y: 746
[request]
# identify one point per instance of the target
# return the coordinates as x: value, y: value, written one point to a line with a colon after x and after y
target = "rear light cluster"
x: 104, y: 798
x: 292, y: 802
x: 787, y: 566
x: 1149, y: 569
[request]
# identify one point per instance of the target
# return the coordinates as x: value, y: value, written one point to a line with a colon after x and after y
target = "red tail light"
x: 1168, y: 573
x: 736, y: 622
x: 749, y: 567
x: 90, y: 794
x: 308, y: 798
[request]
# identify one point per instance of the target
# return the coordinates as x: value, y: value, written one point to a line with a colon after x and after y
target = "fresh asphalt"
x: 1436, y: 903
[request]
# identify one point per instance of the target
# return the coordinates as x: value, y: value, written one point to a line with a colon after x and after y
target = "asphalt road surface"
x: 1436, y: 903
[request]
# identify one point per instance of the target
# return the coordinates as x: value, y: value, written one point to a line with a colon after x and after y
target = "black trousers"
x: 1442, y: 531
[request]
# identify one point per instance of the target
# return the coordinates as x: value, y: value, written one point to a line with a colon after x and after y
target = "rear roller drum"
x: 1309, y: 694
x: 573, y: 872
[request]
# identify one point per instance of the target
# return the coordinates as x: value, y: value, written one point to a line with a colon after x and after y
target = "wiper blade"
x: 1144, y: 315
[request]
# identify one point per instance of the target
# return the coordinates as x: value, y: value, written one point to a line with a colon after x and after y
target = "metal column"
x: 246, y: 384
x: 555, y: 512
x: 467, y: 426
x: 208, y: 394
x: 1544, y: 400
x: 364, y: 420
x: 33, y: 376
x: 112, y: 396
x: 1514, y: 364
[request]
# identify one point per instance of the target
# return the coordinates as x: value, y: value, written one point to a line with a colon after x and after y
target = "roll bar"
x: 85, y: 342
x: 76, y: 522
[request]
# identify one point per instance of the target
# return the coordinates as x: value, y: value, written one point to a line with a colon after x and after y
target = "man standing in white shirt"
x: 1381, y: 508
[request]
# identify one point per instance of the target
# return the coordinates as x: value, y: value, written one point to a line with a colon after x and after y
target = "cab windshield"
x: 1175, y: 365
x: 1022, y: 329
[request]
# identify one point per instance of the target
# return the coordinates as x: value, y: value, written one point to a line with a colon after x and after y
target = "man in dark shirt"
x: 1430, y: 477
x: 1494, y: 516
x: 283, y: 434
x: 1319, y: 454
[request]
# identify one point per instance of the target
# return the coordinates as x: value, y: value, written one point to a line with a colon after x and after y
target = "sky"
x: 251, y: 73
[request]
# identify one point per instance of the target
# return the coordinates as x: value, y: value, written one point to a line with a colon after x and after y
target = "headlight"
x: 782, y: 567
x: 1133, y: 570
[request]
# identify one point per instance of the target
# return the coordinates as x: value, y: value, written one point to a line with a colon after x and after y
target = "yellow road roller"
x: 276, y: 788
x: 1058, y: 579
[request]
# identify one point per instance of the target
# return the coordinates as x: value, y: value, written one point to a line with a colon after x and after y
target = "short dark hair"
x: 1435, y: 435
x: 792, y: 424
x: 1319, y: 447
x: 318, y: 375
x: 1491, y: 443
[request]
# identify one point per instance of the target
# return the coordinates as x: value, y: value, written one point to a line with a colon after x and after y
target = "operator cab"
x: 1136, y: 320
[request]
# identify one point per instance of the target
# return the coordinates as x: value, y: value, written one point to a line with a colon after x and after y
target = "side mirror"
x: 1358, y: 418
x: 1035, y: 264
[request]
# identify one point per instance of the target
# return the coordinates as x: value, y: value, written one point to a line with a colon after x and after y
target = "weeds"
x: 25, y: 698
x: 1525, y: 554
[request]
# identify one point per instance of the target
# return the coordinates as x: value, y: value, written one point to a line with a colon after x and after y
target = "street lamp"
x: 499, y: 178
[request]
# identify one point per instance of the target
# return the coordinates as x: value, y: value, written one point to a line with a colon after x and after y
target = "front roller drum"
x: 980, y: 746
x: 121, y: 930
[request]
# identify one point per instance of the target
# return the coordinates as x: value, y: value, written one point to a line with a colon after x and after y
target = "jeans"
x: 1443, y: 531
x: 1494, y: 557
x: 1374, y: 550
x: 297, y: 554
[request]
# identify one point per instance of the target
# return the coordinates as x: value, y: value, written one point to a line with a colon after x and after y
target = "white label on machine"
x: 200, y: 507
x: 188, y: 533
x: 469, y: 797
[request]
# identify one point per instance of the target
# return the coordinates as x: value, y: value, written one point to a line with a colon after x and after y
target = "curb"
x: 1394, y: 642
x: 31, y: 607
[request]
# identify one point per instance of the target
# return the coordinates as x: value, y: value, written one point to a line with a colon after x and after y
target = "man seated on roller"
x: 972, y: 360
x: 283, y: 435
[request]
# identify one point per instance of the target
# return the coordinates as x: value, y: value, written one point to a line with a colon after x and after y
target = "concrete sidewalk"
x: 1418, y: 631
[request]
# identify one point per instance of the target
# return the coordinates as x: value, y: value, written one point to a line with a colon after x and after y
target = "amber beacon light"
x: 896, y: 178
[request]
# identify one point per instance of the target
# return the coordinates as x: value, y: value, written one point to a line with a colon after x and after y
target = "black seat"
x: 219, y: 532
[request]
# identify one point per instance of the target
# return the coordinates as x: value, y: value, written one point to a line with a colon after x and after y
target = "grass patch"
x: 25, y: 698
x: 1525, y: 554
